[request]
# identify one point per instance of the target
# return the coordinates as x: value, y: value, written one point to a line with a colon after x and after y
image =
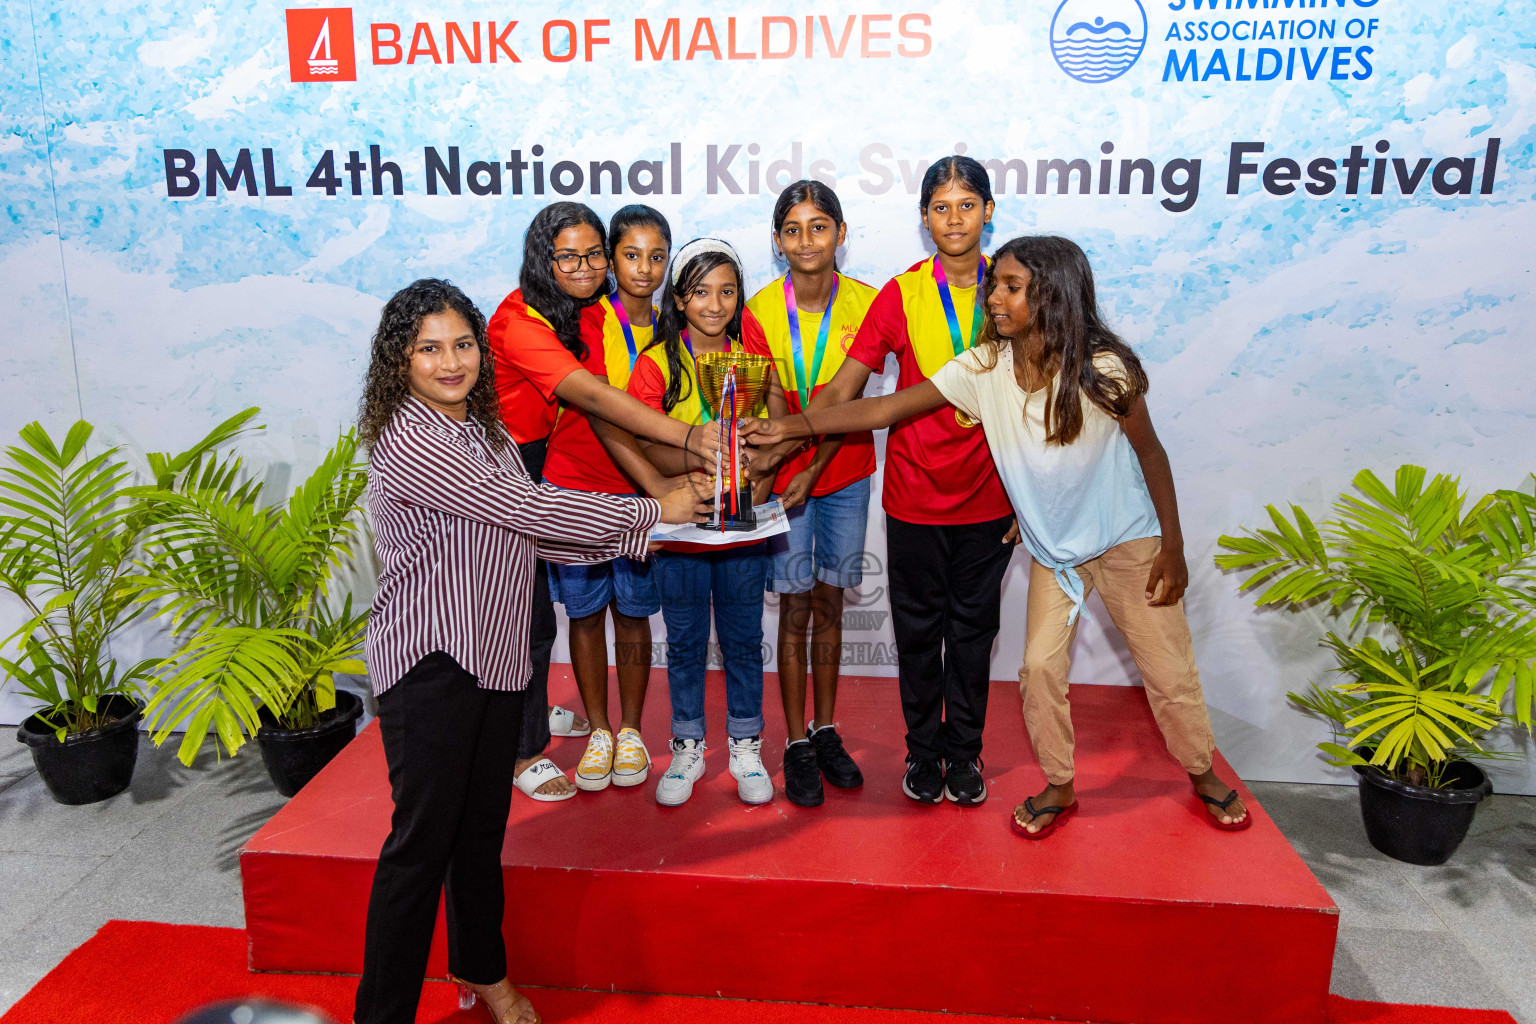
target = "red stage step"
x: 1136, y: 911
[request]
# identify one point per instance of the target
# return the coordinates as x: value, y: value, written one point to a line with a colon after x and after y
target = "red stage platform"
x: 1135, y: 912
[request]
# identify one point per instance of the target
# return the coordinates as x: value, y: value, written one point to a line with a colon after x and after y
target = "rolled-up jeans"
x: 731, y: 583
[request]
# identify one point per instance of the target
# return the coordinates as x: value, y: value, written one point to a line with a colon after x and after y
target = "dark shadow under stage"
x: 1135, y: 911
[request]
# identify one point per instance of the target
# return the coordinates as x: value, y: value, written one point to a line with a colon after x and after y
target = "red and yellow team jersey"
x: 938, y: 471
x: 649, y: 384
x: 577, y: 459
x: 767, y: 333
x: 530, y: 364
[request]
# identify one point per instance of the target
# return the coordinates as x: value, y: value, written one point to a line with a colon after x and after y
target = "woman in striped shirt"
x: 458, y: 524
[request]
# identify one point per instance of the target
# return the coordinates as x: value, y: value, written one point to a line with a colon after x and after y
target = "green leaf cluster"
x: 246, y: 586
x: 69, y: 530
x: 1448, y: 586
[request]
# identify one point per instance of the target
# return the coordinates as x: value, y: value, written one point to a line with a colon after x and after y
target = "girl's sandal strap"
x: 1219, y: 804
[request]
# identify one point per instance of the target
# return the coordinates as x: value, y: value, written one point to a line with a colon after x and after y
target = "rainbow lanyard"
x: 807, y: 384
x: 629, y: 334
x: 949, y: 304
x: 730, y: 346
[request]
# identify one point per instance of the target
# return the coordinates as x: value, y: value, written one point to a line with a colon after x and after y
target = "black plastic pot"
x: 1417, y: 824
x: 87, y: 766
x: 294, y: 756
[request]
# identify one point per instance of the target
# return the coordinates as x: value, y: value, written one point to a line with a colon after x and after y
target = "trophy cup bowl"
x: 751, y: 389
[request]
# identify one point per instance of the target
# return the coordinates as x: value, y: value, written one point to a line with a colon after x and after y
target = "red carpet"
x: 135, y: 972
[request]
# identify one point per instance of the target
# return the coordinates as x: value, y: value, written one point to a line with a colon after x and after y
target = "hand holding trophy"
x: 732, y: 386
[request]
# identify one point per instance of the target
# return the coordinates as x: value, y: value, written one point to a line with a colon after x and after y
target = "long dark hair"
x: 963, y: 169
x: 808, y: 190
x: 387, y: 382
x: 636, y: 215
x: 673, y: 321
x: 541, y: 289
x: 1064, y: 314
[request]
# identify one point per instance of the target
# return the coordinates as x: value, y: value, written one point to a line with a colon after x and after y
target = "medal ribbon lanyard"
x: 806, y: 384
x: 942, y: 280
x: 629, y: 333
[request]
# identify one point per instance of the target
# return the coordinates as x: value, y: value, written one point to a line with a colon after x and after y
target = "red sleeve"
x: 531, y: 350
x: 884, y: 329
x: 592, y: 333
x: 753, y: 338
x: 647, y: 383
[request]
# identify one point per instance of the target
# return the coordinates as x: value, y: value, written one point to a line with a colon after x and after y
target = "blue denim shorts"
x: 588, y: 589
x: 825, y: 542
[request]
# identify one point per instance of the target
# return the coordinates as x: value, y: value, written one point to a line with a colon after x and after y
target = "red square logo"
x: 320, y: 45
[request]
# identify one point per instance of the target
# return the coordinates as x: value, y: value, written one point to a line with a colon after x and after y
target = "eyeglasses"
x: 570, y: 262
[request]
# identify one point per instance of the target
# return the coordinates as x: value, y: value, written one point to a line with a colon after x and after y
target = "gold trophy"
x: 732, y: 385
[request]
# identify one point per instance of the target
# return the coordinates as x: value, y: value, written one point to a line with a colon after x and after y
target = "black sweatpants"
x: 541, y: 633
x: 450, y: 746
x: 946, y: 594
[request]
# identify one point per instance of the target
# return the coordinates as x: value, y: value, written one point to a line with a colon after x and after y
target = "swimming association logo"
x: 320, y: 45
x: 1098, y: 40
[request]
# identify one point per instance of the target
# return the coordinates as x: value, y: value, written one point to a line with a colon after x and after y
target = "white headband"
x: 698, y: 247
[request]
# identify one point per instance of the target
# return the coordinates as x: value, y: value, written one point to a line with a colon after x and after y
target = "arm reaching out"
x: 861, y: 414
x: 588, y: 393
x: 1169, y: 569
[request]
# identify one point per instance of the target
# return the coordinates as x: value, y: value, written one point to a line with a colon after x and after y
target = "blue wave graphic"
x: 1096, y: 59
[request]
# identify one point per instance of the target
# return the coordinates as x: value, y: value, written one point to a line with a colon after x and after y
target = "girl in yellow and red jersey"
x: 805, y: 322
x: 589, y: 454
x: 948, y: 523
x: 702, y: 311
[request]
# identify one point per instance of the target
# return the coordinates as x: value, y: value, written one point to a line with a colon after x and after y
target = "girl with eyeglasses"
x: 547, y: 340
x: 590, y: 454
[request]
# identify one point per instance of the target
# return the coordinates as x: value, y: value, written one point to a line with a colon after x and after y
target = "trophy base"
x: 742, y: 522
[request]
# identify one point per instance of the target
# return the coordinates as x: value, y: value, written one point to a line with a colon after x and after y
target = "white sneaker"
x: 752, y: 782
x: 687, y: 767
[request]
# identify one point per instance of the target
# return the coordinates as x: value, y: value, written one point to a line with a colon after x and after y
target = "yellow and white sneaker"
x: 596, y: 768
x: 631, y: 762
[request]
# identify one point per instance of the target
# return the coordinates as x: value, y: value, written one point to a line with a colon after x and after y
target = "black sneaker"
x: 924, y: 781
x: 963, y: 783
x: 802, y: 779
x: 835, y: 763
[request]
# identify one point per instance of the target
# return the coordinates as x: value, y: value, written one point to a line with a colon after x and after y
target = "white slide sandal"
x: 562, y: 722
x: 536, y: 775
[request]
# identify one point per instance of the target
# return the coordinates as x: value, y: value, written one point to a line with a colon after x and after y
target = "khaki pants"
x: 1159, y: 641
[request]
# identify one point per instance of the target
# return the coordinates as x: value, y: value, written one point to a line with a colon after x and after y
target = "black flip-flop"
x: 1062, y: 814
x: 1222, y: 805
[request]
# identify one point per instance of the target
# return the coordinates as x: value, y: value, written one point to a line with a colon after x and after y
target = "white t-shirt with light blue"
x: 1074, y: 502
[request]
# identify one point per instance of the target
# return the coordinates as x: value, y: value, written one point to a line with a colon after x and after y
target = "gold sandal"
x: 520, y: 1011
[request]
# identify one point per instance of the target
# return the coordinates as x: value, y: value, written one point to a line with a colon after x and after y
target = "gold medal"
x: 965, y: 421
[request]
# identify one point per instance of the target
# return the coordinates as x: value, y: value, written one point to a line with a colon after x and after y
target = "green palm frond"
x: 1449, y: 585
x: 246, y: 588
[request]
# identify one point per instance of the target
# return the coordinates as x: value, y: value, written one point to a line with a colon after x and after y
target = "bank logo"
x: 320, y: 45
x: 1098, y: 40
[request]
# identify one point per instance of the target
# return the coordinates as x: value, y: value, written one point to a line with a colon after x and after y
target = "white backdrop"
x: 1292, y: 336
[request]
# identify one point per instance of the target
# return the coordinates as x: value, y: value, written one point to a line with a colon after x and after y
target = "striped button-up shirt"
x: 457, y: 527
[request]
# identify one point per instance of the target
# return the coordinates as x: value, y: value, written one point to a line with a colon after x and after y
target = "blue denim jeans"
x: 689, y: 585
x: 825, y: 542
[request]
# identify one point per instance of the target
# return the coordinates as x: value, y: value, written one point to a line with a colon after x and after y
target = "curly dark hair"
x: 1064, y: 312
x: 387, y: 382
x: 541, y: 289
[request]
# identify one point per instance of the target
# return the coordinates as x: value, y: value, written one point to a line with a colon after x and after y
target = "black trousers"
x: 450, y: 746
x: 541, y: 633
x: 946, y: 594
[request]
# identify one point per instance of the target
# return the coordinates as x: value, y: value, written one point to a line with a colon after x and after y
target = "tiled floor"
x: 1459, y: 935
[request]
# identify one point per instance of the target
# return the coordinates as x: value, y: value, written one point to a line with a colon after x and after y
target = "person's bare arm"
x: 626, y: 453
x: 591, y: 395
x: 1169, y: 569
x: 861, y: 414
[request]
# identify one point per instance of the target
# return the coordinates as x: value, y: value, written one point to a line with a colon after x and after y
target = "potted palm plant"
x: 1438, y: 647
x: 67, y: 541
x: 259, y: 640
